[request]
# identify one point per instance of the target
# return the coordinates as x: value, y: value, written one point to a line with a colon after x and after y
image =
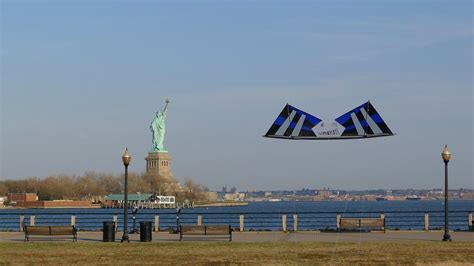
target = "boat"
x: 274, y: 200
x: 412, y: 198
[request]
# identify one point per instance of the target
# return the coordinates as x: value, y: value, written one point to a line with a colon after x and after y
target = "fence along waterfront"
x: 247, y: 221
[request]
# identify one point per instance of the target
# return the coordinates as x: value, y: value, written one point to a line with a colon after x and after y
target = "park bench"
x: 359, y: 224
x: 205, y: 230
x: 50, y: 231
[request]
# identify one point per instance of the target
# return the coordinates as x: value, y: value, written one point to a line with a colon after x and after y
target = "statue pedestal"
x: 159, y: 163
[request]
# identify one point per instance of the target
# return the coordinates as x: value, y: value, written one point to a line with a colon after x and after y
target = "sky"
x: 82, y: 80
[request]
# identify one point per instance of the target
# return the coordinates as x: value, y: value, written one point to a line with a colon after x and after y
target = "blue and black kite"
x: 361, y: 122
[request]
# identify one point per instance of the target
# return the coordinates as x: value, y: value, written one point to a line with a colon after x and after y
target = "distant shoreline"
x: 61, y: 207
x: 221, y: 204
x: 231, y: 204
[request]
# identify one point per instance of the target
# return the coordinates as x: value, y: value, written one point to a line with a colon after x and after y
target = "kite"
x: 361, y: 122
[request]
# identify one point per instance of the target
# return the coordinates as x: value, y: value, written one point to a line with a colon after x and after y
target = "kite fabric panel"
x: 293, y: 122
x: 361, y: 122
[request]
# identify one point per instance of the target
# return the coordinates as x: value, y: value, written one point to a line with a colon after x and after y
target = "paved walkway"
x: 389, y: 236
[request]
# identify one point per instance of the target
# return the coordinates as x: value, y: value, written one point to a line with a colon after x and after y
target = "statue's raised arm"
x: 167, y: 101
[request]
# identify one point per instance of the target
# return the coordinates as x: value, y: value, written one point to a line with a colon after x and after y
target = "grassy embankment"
x: 239, y: 253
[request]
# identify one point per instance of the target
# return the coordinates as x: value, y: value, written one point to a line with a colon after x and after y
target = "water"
x: 261, y: 215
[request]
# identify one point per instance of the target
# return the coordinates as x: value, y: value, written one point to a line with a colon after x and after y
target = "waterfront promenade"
x: 259, y: 237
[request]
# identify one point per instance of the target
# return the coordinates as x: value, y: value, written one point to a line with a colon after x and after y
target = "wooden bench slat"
x: 349, y: 223
x: 62, y: 230
x: 362, y: 223
x: 38, y: 230
x: 197, y: 233
x: 217, y: 227
x: 371, y: 223
x: 192, y: 229
x: 57, y: 233
x: 217, y: 233
x: 217, y: 230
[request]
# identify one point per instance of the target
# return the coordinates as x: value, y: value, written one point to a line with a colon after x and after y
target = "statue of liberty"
x: 157, y: 127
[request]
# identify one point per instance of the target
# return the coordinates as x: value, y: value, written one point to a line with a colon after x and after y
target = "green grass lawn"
x: 235, y: 253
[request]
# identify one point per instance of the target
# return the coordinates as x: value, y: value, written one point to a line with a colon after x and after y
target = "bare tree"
x: 3, y: 189
x: 99, y: 184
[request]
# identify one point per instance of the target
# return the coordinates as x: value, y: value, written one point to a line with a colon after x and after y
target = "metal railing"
x: 246, y: 221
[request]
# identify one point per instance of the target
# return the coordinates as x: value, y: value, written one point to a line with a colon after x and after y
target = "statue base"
x: 159, y: 163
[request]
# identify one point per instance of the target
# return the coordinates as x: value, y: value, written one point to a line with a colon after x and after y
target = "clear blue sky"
x: 81, y: 80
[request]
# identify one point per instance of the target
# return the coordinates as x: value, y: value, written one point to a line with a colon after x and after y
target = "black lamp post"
x: 134, y: 218
x: 446, y: 157
x: 126, y: 158
x: 178, y: 211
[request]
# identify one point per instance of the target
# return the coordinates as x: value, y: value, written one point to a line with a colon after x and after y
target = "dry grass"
x: 279, y: 253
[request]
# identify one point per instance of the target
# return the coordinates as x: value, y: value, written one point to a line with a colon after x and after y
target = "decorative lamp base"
x: 447, y: 237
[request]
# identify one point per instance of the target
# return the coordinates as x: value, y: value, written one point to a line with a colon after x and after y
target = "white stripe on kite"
x: 285, y: 124
x: 299, y: 125
x: 375, y: 128
x: 357, y: 125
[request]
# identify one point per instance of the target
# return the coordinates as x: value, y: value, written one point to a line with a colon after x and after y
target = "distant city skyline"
x: 80, y: 81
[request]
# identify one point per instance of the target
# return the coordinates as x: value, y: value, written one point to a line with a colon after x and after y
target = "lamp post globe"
x: 126, y: 158
x: 446, y: 155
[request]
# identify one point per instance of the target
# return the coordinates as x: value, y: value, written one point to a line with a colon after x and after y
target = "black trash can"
x: 109, y: 232
x: 145, y: 231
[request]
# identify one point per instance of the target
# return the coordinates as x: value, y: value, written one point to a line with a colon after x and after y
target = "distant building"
x: 467, y: 195
x: 54, y: 204
x: 140, y: 200
x: 211, y: 196
x: 117, y: 200
x: 325, y: 193
x: 21, y: 197
x: 30, y: 200
x: 234, y: 197
x: 165, y: 201
x: 96, y: 198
